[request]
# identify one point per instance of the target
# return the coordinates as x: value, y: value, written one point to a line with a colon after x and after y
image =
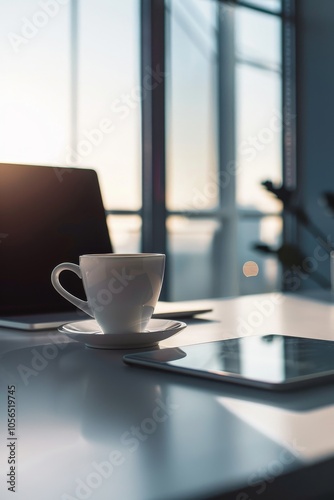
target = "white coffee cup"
x: 121, y: 289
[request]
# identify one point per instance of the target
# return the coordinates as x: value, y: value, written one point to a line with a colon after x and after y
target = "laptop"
x: 50, y: 215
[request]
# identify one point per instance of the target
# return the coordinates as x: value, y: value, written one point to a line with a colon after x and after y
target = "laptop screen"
x: 48, y: 215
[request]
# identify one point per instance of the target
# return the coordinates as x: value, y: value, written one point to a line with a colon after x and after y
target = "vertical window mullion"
x: 153, y: 128
x: 289, y: 96
x: 225, y: 257
x: 290, y: 181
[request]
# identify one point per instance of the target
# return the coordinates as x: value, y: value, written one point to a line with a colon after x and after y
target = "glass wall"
x: 70, y: 94
x: 258, y: 106
x: 258, y: 139
x: 191, y: 106
x: 200, y: 185
x: 109, y: 98
x: 34, y: 82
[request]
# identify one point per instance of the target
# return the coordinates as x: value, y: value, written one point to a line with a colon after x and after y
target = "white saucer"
x: 89, y: 332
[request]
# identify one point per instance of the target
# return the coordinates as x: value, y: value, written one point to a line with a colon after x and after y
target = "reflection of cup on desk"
x: 121, y: 289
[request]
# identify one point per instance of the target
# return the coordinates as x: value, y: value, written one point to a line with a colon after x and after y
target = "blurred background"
x: 183, y: 107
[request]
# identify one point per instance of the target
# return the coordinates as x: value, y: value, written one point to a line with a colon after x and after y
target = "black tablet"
x: 273, y: 361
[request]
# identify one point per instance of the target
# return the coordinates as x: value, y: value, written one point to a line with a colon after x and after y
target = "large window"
x: 224, y: 138
x: 191, y: 146
x: 35, y: 82
x: 258, y: 76
x: 71, y: 93
x: 109, y: 93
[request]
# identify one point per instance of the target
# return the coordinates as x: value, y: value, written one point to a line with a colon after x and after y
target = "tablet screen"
x: 269, y: 361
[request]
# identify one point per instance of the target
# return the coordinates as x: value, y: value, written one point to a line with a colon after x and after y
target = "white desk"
x: 89, y: 426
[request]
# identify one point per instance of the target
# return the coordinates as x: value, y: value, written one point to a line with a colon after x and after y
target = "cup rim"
x: 123, y: 255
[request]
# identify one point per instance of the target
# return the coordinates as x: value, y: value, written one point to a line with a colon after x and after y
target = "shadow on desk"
x: 201, y: 321
x: 314, y: 484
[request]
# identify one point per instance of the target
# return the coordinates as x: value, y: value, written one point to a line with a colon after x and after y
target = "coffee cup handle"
x: 68, y: 266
